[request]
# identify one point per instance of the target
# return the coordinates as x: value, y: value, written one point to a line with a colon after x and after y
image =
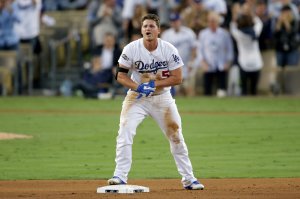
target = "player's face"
x: 150, y: 30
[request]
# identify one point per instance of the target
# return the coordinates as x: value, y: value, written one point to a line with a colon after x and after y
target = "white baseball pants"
x: 163, y: 110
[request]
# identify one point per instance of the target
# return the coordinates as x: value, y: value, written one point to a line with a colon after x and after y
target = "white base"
x: 123, y: 189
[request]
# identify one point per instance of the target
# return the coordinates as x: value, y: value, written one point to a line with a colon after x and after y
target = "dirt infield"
x: 12, y: 136
x: 159, y: 189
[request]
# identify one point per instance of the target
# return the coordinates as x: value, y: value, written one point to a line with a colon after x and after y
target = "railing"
x: 66, y: 43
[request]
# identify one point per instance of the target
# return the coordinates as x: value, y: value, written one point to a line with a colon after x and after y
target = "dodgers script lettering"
x: 152, y: 67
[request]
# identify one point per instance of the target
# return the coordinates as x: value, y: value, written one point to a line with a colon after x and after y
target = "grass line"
x: 67, y: 111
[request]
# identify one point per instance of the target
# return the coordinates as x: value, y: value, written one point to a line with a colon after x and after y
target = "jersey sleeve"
x: 126, y: 57
x: 175, y: 60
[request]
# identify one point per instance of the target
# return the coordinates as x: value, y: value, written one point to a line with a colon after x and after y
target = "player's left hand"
x: 146, y: 89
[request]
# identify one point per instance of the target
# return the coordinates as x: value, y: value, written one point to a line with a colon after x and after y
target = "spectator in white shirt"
x: 184, y: 39
x: 216, y: 54
x: 29, y: 31
x: 107, y: 18
x: 246, y: 29
x: 29, y: 26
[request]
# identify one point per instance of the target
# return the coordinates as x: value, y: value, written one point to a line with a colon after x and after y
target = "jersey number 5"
x: 165, y: 73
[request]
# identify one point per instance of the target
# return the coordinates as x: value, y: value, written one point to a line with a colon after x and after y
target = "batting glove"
x: 146, y: 89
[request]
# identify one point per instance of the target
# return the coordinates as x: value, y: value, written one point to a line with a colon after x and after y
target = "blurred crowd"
x: 235, y: 45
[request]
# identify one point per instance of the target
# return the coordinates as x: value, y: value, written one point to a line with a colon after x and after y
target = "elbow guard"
x: 122, y: 70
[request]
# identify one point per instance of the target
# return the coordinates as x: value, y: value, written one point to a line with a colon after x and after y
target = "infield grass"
x: 75, y: 138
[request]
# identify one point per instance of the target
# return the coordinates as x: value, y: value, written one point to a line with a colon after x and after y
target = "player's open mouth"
x: 148, y: 33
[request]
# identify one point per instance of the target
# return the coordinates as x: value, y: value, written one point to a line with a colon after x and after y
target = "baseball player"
x: 156, y: 66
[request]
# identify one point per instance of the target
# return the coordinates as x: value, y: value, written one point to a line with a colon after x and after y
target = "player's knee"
x: 174, y: 138
x: 125, y: 136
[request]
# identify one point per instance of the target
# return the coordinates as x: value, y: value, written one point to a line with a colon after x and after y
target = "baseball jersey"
x: 146, y: 65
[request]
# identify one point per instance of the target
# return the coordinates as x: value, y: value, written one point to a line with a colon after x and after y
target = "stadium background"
x: 240, y: 147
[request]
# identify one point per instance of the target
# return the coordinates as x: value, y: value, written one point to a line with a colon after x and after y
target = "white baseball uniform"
x: 160, y: 106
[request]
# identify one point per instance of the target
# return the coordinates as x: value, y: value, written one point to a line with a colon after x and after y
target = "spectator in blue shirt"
x: 98, y: 78
x: 9, y: 39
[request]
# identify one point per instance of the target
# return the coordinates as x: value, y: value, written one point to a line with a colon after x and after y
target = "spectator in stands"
x: 9, y: 38
x: 134, y: 24
x: 276, y: 6
x: 160, y: 7
x: 266, y: 36
x: 29, y: 30
x: 29, y: 26
x: 287, y: 39
x: 128, y: 13
x: 246, y: 29
x: 99, y: 77
x: 184, y: 39
x: 216, y: 52
x: 92, y: 20
x: 107, y: 18
x: 266, y: 45
x: 195, y: 16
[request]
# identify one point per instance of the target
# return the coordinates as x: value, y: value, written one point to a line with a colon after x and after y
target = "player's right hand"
x: 146, y: 89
